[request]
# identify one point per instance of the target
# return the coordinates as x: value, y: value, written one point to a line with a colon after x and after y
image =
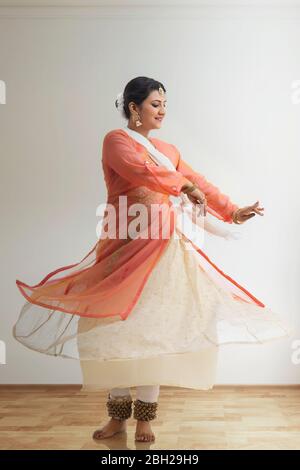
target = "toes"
x: 109, y: 432
x: 145, y: 437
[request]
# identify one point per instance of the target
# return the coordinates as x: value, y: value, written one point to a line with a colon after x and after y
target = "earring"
x: 138, y: 122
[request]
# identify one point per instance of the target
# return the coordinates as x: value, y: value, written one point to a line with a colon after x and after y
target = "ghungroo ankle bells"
x: 145, y: 411
x: 119, y: 407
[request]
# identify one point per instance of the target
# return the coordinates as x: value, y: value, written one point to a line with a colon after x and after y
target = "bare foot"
x: 144, y: 432
x: 113, y: 427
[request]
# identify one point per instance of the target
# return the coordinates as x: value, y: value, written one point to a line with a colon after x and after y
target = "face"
x: 152, y: 111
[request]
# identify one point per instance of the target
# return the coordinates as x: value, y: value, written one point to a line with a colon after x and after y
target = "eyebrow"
x: 160, y: 100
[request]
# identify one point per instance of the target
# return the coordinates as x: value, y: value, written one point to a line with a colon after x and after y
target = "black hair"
x: 137, y: 90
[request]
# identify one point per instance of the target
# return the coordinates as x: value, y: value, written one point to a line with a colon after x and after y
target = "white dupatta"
x: 191, y: 221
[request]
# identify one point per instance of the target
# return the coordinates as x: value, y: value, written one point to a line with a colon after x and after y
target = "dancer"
x: 147, y: 305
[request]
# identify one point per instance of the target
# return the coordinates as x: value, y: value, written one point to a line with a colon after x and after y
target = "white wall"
x: 228, y: 72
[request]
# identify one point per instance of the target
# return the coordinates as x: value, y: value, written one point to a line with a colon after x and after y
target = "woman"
x: 146, y: 304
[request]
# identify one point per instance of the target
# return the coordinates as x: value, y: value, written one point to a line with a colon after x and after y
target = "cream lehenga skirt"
x: 172, y: 335
x: 154, y: 346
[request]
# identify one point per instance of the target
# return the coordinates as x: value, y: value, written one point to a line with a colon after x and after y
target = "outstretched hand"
x: 245, y: 213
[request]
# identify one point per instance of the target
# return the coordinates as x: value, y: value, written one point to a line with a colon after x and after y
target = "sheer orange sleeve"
x: 137, y: 168
x: 221, y: 205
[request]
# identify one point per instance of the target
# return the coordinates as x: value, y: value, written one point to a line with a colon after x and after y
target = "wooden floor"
x: 226, y: 417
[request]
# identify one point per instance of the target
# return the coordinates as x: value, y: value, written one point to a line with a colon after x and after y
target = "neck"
x: 143, y: 132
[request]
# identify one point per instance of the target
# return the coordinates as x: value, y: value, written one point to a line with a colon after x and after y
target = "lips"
x: 159, y: 119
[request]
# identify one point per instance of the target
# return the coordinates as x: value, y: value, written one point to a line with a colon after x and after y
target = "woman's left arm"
x: 218, y: 204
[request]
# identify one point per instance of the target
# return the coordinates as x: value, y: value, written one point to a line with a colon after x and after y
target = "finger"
x: 259, y: 209
x: 204, y: 205
x: 256, y: 210
x: 250, y: 216
x: 247, y: 209
x: 255, y: 204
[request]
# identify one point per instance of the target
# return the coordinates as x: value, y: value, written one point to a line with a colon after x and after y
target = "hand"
x: 245, y: 213
x: 198, y: 197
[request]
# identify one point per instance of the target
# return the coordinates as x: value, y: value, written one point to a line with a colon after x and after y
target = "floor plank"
x: 225, y: 417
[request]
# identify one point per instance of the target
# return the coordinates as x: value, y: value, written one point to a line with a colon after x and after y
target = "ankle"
x: 118, y: 420
x: 144, y: 411
x: 119, y: 408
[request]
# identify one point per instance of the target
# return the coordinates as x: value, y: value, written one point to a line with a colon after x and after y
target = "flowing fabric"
x: 108, y: 282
